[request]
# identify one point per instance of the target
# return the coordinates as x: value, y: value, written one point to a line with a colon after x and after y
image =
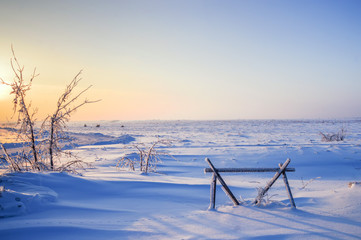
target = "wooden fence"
x: 281, y: 170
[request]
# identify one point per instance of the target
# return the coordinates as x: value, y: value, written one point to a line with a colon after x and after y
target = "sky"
x: 188, y: 59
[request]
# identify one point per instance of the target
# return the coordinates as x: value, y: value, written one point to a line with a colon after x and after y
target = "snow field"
x: 109, y: 203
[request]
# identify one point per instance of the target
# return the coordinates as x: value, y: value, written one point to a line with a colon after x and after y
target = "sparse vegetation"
x: 25, y: 116
x: 304, y: 184
x: 266, y: 199
x: 147, y: 157
x: 44, y: 144
x: 66, y: 105
x: 331, y: 137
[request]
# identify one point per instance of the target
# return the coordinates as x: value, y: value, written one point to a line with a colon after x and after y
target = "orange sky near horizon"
x: 203, y: 60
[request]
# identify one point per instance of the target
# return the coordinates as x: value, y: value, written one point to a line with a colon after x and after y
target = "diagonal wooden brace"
x: 224, y: 185
x: 270, y: 183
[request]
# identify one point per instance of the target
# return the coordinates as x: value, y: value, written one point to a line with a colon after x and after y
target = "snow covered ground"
x: 109, y: 203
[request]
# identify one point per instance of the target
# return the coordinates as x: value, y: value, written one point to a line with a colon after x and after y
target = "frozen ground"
x: 107, y: 203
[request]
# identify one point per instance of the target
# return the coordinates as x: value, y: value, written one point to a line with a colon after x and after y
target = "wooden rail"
x: 230, y: 170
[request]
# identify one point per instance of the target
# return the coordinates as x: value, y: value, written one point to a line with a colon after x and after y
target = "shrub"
x: 331, y: 137
x: 147, y: 157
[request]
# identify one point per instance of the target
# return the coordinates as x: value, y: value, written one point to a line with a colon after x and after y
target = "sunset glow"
x: 4, y: 92
x: 190, y: 59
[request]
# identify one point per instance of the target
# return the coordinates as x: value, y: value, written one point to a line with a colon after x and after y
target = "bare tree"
x: 25, y: 117
x: 66, y: 106
x: 45, y: 143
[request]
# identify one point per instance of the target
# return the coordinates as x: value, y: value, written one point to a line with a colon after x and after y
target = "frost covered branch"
x: 148, y: 157
x: 331, y: 137
x: 66, y: 105
x: 25, y: 118
x: 45, y: 143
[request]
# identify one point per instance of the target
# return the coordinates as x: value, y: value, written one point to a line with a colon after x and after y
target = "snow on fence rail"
x: 282, y: 169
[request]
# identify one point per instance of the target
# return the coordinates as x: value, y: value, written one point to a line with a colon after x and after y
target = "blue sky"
x: 191, y: 59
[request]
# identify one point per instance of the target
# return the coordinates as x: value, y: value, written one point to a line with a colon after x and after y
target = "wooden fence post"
x: 213, y: 189
x: 224, y: 185
x: 288, y: 189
